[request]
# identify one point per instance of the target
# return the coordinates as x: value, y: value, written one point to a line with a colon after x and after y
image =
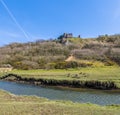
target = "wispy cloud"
x: 10, y: 34
x: 14, y: 35
x: 35, y: 37
x: 7, y: 37
x: 14, y: 19
x: 117, y: 10
x: 117, y: 14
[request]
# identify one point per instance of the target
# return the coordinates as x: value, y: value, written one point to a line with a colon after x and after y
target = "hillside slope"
x: 52, y: 53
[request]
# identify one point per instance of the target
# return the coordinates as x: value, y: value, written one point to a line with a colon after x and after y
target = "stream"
x: 88, y: 96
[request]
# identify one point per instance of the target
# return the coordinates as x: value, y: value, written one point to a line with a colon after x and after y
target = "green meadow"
x: 90, y: 73
x: 11, y: 104
x: 106, y: 73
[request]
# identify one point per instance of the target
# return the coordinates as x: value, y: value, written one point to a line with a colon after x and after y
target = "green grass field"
x: 97, y: 73
x: 106, y: 73
x: 31, y: 105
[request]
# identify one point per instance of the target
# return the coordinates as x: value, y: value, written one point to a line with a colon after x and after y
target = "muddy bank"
x: 92, y: 84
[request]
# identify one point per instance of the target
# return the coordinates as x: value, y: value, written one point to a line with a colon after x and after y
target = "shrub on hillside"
x: 72, y: 64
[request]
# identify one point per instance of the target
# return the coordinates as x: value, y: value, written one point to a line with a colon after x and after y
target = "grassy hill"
x: 51, y: 54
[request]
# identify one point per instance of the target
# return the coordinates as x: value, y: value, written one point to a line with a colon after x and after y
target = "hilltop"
x: 51, y: 54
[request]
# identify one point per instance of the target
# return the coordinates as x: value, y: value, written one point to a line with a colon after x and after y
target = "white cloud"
x: 117, y: 14
x: 14, y: 19
x: 117, y: 11
x: 10, y: 34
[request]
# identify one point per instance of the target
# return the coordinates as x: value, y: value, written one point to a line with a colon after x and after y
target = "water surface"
x: 96, y: 97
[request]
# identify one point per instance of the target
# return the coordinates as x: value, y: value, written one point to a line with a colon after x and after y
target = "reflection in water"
x: 57, y: 94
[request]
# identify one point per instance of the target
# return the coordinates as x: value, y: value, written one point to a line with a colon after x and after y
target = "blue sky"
x: 44, y: 19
